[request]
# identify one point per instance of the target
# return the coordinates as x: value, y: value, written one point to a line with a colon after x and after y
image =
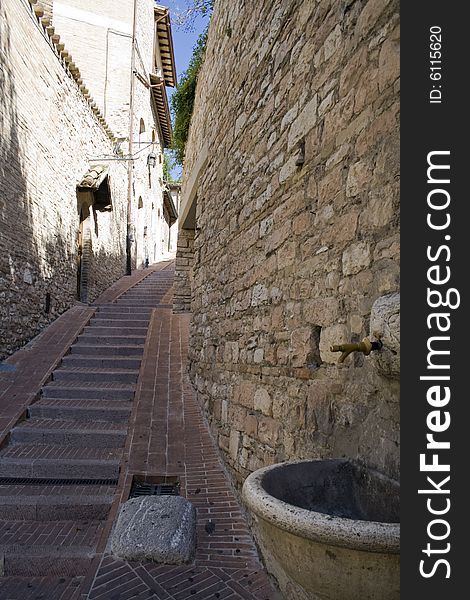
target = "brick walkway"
x: 56, y: 530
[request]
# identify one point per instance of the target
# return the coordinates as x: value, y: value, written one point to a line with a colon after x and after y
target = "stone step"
x: 91, y: 339
x: 116, y: 323
x: 137, y: 311
x: 54, y: 452
x: 93, y: 374
x: 27, y: 561
x: 73, y: 434
x: 149, y: 301
x: 83, y: 348
x: 57, y: 508
x: 116, y: 319
x: 159, y: 293
x: 70, y: 468
x: 32, y: 588
x: 86, y: 390
x: 80, y: 410
x: 116, y: 331
x: 101, y: 362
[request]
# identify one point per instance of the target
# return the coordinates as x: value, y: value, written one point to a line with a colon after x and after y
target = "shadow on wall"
x: 27, y: 300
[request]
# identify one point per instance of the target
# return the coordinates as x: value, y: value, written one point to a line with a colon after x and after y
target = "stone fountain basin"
x: 328, y: 529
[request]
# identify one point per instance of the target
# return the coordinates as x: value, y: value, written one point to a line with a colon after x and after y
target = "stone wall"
x: 99, y: 35
x: 48, y: 135
x: 297, y: 228
x: 183, y: 271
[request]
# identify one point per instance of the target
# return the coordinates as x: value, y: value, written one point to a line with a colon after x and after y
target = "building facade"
x: 111, y: 41
x: 289, y: 240
x: 75, y: 212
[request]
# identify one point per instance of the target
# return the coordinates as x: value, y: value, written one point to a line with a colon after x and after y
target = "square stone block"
x: 157, y: 528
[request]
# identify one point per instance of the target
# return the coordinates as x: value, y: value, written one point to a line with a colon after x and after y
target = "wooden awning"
x: 93, y: 178
x: 96, y: 181
x: 163, y: 110
x: 165, y: 43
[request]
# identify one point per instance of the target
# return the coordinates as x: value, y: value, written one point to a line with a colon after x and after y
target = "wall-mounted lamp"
x: 151, y: 159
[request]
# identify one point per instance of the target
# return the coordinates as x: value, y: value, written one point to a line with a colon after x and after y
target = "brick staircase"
x: 59, y: 470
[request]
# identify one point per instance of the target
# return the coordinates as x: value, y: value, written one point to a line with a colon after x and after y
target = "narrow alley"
x: 115, y: 408
x: 200, y: 300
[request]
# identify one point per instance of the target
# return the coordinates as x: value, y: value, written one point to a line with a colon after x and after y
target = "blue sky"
x: 184, y: 41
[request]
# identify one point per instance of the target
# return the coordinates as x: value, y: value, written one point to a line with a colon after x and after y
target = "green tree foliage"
x: 194, y: 8
x: 182, y: 101
x: 169, y: 164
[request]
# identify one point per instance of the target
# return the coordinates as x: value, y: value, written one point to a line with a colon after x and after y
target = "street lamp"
x: 151, y: 159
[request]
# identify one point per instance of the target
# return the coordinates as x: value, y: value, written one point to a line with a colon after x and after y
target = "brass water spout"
x: 366, y: 347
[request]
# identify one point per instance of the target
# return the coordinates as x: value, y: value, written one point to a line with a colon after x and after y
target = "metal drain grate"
x: 141, y: 488
x: 43, y: 481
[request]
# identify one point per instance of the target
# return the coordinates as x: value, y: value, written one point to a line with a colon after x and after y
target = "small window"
x: 141, y: 203
x: 141, y: 131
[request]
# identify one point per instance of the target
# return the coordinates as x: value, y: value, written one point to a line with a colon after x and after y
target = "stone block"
x: 331, y: 336
x: 385, y: 326
x: 358, y: 178
x: 260, y: 295
x: 304, y: 123
x: 389, y: 63
x: 321, y: 311
x: 369, y: 16
x: 356, y: 258
x: 332, y: 42
x: 234, y: 444
x: 157, y: 528
x: 263, y: 402
x: 268, y: 431
x: 304, y: 346
x: 381, y: 210
x: 258, y: 356
x: 244, y: 393
x: 251, y: 425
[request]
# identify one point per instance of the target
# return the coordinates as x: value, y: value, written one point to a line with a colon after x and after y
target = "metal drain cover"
x: 142, y: 488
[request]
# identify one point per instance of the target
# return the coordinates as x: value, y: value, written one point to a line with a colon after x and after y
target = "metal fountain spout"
x: 366, y: 347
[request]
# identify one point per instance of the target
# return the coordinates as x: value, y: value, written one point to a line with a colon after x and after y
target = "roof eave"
x: 162, y: 109
x: 162, y: 16
x: 168, y: 200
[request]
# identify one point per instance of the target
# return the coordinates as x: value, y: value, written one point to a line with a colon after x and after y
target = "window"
x: 141, y: 131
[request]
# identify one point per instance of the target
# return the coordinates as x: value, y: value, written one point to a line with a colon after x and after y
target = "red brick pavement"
x: 168, y: 436
x: 34, y: 364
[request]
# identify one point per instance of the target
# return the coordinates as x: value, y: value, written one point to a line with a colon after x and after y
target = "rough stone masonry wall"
x: 47, y: 135
x: 289, y: 258
x: 183, y: 271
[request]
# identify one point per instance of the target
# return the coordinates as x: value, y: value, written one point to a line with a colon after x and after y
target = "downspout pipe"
x: 131, y: 140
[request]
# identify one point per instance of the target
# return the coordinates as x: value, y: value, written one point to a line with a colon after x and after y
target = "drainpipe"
x: 131, y: 139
